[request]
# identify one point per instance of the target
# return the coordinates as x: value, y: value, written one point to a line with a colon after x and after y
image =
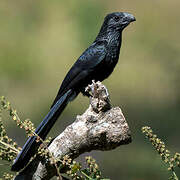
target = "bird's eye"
x: 116, y: 18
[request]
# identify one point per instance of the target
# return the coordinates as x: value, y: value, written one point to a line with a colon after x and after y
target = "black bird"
x: 96, y: 63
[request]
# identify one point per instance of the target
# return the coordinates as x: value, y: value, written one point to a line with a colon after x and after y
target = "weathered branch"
x: 101, y: 127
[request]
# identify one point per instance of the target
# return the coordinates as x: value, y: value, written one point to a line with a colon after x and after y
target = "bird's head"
x: 116, y: 21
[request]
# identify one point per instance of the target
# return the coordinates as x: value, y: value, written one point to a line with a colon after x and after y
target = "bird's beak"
x: 129, y: 17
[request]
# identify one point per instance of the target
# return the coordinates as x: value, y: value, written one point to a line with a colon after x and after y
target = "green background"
x: 40, y: 40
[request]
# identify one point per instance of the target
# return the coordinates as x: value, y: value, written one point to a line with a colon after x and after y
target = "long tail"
x: 31, y: 145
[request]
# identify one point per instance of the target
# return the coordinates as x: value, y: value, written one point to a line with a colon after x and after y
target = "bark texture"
x: 101, y: 127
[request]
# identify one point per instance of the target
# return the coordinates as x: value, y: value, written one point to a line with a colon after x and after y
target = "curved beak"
x: 129, y: 17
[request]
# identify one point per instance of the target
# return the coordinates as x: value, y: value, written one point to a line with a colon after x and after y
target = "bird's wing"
x: 86, y: 62
x: 93, y: 55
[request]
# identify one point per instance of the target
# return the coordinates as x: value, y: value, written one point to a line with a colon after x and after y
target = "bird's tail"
x: 31, y: 146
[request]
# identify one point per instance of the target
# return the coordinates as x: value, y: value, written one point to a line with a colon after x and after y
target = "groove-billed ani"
x: 96, y: 63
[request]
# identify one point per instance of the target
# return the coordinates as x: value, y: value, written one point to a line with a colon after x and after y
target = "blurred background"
x: 40, y: 40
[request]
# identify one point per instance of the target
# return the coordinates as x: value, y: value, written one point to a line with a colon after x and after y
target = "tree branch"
x: 101, y: 127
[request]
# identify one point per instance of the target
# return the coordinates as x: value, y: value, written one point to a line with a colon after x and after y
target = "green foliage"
x: 26, y: 124
x: 172, y: 161
x: 8, y: 176
x: 76, y: 172
x: 8, y: 148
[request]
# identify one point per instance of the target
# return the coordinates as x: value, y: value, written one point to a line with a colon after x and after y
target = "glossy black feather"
x: 80, y: 73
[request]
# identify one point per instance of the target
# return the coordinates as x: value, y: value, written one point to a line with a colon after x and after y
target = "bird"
x: 96, y: 63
